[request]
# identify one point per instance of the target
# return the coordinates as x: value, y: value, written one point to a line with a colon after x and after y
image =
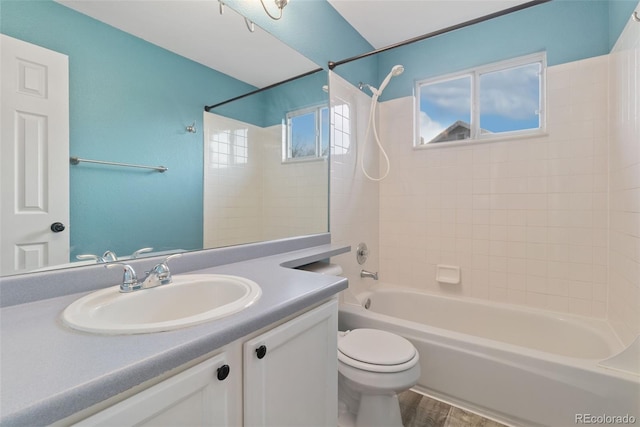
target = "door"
x: 291, y: 372
x: 34, y: 157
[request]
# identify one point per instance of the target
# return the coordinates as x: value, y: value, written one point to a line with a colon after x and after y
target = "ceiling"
x: 255, y: 57
x: 175, y: 25
x: 384, y: 22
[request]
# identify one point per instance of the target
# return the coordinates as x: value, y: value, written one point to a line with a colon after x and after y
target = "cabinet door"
x: 195, y: 397
x: 291, y: 372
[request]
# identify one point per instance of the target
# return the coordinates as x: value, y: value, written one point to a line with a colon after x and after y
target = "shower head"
x: 396, y: 70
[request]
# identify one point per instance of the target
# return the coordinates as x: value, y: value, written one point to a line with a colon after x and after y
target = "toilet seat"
x: 376, y: 351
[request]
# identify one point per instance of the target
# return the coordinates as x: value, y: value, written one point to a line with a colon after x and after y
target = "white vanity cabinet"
x: 207, y: 394
x: 291, y: 372
x: 283, y: 376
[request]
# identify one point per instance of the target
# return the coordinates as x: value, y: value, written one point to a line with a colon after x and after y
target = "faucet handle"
x: 84, y: 257
x: 129, y: 279
x: 137, y: 253
x: 161, y: 273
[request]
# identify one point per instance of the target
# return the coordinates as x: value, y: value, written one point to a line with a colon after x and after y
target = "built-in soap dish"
x: 448, y: 274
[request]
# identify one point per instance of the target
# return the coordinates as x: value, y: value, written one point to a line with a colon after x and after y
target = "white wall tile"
x: 521, y: 212
x: 550, y: 222
x: 623, y: 305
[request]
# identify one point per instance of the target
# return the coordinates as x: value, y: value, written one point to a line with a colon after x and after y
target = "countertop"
x: 49, y: 371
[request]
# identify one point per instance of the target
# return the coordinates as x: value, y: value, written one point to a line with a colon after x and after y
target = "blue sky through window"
x: 509, y: 100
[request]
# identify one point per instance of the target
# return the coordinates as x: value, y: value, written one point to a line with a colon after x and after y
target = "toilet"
x: 373, y: 367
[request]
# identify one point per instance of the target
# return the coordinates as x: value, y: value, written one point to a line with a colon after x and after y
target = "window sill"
x: 304, y: 160
x: 486, y: 140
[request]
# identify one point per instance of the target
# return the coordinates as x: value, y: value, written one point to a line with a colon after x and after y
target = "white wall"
x: 624, y: 197
x: 252, y: 195
x: 525, y: 219
x: 354, y: 206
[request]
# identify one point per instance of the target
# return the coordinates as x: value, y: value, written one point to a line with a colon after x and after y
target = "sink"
x: 191, y: 299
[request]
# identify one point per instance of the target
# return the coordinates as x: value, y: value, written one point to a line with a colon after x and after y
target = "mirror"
x: 131, y: 102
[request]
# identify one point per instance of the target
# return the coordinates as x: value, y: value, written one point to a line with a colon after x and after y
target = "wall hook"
x: 635, y: 16
x: 192, y: 128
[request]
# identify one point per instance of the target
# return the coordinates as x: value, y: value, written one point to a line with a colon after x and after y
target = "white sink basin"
x: 189, y: 300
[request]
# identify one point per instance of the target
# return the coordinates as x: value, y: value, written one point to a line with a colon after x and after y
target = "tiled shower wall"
x: 250, y: 195
x: 354, y: 199
x: 624, y: 198
x: 525, y: 219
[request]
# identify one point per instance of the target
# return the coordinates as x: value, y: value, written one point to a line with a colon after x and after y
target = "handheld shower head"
x: 395, y: 71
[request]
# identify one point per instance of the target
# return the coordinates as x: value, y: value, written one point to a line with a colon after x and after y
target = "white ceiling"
x: 384, y: 22
x: 196, y: 29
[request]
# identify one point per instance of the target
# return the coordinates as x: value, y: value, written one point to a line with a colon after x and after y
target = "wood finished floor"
x: 421, y: 411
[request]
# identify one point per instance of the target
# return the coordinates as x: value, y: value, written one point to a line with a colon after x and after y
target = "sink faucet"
x: 365, y: 273
x: 158, y: 275
x: 108, y: 256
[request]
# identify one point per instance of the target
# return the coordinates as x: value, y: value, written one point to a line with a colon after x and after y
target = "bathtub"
x: 519, y: 366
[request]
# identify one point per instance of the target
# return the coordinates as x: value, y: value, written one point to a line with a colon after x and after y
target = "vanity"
x: 272, y: 363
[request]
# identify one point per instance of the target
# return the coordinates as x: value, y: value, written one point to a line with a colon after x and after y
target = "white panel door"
x: 291, y: 372
x: 34, y: 157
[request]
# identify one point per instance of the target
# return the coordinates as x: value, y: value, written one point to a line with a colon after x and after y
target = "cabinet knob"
x: 223, y: 372
x: 261, y: 351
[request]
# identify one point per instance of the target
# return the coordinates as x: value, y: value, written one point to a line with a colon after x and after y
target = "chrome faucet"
x: 139, y: 252
x: 365, y: 274
x: 108, y: 256
x: 158, y: 275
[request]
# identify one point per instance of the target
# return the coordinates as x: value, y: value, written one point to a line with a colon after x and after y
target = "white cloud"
x: 453, y: 96
x: 429, y: 128
x: 511, y: 93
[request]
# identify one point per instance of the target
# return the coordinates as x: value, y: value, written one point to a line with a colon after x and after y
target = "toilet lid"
x: 376, y: 347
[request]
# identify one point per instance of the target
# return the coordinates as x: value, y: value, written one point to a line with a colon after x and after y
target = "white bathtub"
x: 518, y: 365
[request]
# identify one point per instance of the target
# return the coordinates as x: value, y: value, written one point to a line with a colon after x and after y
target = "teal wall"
x: 567, y: 30
x: 619, y: 14
x: 130, y: 101
x: 269, y: 107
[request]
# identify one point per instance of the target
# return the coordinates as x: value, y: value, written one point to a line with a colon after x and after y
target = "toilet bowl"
x: 373, y: 366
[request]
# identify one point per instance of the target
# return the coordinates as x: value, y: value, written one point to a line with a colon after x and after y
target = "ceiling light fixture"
x: 280, y: 4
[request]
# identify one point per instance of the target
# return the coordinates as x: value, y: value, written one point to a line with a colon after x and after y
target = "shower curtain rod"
x: 517, y: 8
x: 208, y: 108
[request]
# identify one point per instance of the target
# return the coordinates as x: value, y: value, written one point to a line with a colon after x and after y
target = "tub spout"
x: 365, y: 273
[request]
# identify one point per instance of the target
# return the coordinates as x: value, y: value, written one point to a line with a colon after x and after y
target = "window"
x: 498, y: 100
x: 307, y: 135
x: 228, y: 147
x: 341, y: 127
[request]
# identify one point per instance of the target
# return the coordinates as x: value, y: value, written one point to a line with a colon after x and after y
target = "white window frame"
x: 286, y: 137
x: 474, y: 74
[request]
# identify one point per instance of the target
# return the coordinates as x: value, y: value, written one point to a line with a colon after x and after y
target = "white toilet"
x: 373, y: 366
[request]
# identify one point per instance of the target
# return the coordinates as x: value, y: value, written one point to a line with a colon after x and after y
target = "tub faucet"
x: 158, y: 275
x: 365, y: 273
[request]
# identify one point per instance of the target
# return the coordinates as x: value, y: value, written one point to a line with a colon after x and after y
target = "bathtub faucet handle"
x: 365, y: 274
